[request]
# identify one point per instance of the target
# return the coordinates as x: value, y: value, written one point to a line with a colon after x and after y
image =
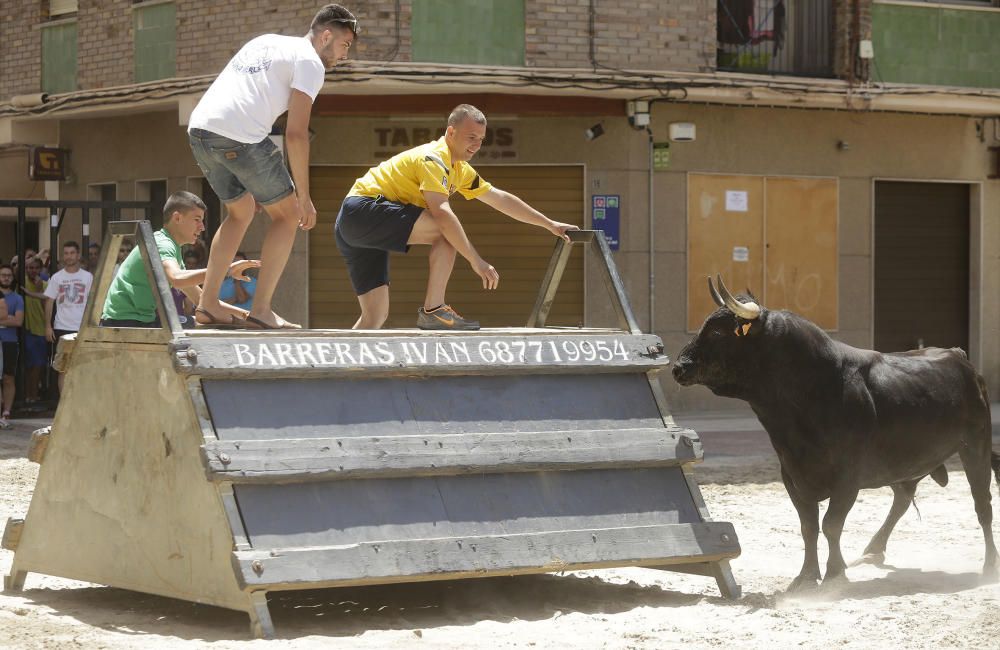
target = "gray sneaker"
x: 444, y: 318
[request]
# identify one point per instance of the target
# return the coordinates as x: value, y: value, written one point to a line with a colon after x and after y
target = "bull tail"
x: 994, y: 456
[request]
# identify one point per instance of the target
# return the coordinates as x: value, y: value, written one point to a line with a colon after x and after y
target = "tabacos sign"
x: 499, y: 146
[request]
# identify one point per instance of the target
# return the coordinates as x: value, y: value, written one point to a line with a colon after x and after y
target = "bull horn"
x: 746, y: 310
x: 715, y: 294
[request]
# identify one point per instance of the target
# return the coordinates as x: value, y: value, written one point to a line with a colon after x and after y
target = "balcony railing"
x: 785, y: 37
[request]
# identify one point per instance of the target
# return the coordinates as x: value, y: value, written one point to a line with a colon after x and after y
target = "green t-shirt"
x: 130, y: 297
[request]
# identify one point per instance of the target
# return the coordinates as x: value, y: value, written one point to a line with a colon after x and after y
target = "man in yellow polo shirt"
x: 404, y: 201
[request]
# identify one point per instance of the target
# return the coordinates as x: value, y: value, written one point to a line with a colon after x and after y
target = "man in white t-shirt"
x: 67, y: 291
x: 228, y: 132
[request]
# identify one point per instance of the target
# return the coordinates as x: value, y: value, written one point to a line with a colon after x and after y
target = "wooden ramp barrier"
x: 216, y: 466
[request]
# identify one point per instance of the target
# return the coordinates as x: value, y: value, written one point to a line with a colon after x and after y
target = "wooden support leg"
x: 724, y: 577
x: 261, y: 626
x: 14, y: 581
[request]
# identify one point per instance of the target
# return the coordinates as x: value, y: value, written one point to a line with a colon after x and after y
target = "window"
x: 155, y: 41
x: 59, y: 57
x: 483, y: 32
x: 61, y: 8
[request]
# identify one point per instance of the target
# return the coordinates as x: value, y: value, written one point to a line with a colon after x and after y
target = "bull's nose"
x: 678, y: 370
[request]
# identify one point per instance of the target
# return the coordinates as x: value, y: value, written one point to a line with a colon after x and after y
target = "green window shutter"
x: 481, y: 32
x: 155, y: 42
x: 59, y: 58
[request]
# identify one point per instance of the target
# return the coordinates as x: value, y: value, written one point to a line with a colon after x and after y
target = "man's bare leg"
x: 278, y: 242
x: 374, y: 308
x: 8, y: 393
x: 441, y: 259
x: 224, y: 246
x: 32, y: 380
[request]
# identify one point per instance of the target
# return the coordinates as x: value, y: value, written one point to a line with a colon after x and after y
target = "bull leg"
x: 809, y: 524
x: 841, y: 502
x: 902, y: 498
x: 976, y: 461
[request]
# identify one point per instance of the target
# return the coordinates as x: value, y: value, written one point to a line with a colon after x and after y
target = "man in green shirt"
x: 130, y: 301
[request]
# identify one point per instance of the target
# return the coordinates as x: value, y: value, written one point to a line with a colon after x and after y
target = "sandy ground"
x: 928, y: 596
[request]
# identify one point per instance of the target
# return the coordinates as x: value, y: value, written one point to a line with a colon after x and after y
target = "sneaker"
x: 5, y: 421
x: 444, y: 318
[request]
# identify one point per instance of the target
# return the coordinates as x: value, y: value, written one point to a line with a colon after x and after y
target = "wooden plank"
x: 478, y: 556
x: 402, y: 356
x: 328, y: 406
x: 39, y: 443
x: 12, y: 533
x: 550, y: 284
x: 281, y: 461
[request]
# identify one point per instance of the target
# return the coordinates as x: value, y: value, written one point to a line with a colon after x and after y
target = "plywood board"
x: 725, y: 236
x: 801, y: 239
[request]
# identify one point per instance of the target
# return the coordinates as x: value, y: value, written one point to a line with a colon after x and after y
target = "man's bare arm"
x: 515, y: 208
x: 184, y: 278
x: 451, y: 228
x: 297, y: 142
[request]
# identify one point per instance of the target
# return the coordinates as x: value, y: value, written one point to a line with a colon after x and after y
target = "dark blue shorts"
x: 36, y: 351
x: 366, y: 231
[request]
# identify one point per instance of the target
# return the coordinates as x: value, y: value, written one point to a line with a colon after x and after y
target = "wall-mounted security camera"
x: 682, y: 132
x: 594, y: 132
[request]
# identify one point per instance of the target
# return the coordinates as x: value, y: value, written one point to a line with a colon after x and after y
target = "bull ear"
x: 715, y: 294
x: 745, y: 310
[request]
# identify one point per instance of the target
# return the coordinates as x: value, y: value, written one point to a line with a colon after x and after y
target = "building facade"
x: 838, y: 158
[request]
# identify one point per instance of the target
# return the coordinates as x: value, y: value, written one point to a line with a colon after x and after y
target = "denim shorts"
x: 235, y: 168
x: 366, y: 230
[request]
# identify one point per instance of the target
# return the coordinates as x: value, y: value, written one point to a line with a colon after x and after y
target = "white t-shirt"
x: 248, y: 96
x: 69, y: 291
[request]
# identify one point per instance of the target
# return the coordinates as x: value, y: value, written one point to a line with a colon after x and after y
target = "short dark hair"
x: 462, y: 111
x: 72, y: 244
x: 182, y: 202
x: 334, y: 16
x: 94, y: 244
x: 6, y: 266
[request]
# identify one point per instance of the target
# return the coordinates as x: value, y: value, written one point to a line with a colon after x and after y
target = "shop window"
x: 155, y: 41
x: 480, y: 32
x: 59, y: 57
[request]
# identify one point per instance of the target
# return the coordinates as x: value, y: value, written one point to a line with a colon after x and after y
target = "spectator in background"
x: 4, y: 424
x: 238, y: 294
x: 93, y: 257
x: 35, y: 346
x: 66, y: 294
x: 130, y: 301
x: 8, y: 337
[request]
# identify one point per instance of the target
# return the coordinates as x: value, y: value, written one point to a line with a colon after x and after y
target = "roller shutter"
x: 519, y: 252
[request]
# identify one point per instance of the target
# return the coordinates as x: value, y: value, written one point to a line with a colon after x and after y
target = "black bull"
x: 843, y: 419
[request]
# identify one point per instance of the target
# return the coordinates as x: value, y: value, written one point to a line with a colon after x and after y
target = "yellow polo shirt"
x: 427, y: 168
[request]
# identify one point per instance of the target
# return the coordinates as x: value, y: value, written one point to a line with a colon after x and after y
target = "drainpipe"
x: 652, y: 241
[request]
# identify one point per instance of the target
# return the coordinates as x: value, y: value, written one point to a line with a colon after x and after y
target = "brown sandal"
x: 216, y: 324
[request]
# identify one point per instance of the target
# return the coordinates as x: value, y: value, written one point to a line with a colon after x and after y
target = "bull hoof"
x: 836, y: 580
x: 991, y: 574
x: 802, y: 584
x: 878, y: 559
